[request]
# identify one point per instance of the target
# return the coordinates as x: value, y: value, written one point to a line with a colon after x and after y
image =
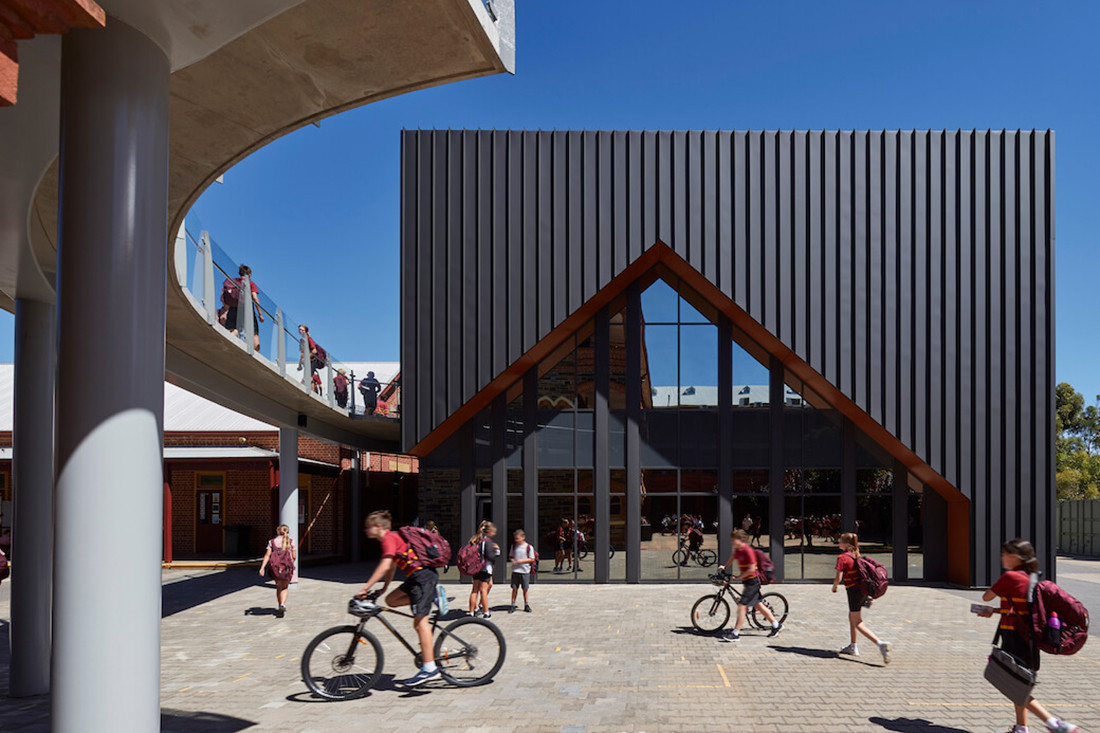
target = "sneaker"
x: 731, y: 636
x: 478, y: 614
x: 280, y: 612
x: 420, y: 678
x: 526, y: 608
x: 850, y: 650
x: 775, y: 630
x: 1061, y: 726
x: 884, y: 647
x: 486, y: 615
x: 512, y: 608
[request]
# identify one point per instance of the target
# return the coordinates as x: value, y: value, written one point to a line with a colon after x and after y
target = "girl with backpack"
x: 1019, y: 561
x: 483, y: 580
x: 282, y: 558
x: 847, y: 571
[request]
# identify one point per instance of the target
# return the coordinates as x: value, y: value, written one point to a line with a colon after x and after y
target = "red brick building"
x: 221, y: 474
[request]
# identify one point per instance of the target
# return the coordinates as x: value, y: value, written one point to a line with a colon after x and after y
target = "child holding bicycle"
x: 847, y: 571
x: 750, y: 580
x: 417, y: 592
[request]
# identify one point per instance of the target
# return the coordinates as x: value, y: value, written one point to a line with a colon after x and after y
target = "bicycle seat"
x: 363, y: 608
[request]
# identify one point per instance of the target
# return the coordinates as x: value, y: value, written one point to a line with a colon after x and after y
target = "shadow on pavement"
x: 183, y: 720
x: 913, y: 725
x: 181, y: 595
x: 692, y: 631
x: 805, y: 651
x: 259, y: 611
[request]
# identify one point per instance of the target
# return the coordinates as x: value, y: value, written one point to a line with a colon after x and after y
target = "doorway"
x: 209, y: 513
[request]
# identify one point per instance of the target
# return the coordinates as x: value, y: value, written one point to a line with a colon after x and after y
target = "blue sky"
x: 316, y: 213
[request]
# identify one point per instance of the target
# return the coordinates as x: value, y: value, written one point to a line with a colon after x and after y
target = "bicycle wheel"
x: 776, y: 603
x: 469, y: 652
x: 582, y: 551
x: 340, y: 664
x: 707, y: 558
x: 610, y: 553
x: 710, y: 614
x: 679, y: 557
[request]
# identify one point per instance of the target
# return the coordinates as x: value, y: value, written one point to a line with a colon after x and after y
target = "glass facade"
x: 699, y: 417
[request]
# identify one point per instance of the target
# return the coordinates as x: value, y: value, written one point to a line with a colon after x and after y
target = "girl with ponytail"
x: 1019, y: 561
x: 847, y: 571
x: 483, y: 581
x: 282, y: 557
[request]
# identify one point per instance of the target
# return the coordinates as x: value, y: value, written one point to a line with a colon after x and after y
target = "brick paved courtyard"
x: 598, y: 658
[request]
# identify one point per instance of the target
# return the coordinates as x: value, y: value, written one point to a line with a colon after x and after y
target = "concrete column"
x: 288, y: 483
x: 777, y: 469
x: 112, y: 256
x: 32, y: 477
x: 633, y: 435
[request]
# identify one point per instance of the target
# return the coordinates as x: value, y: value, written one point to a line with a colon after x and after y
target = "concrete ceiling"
x: 244, y: 73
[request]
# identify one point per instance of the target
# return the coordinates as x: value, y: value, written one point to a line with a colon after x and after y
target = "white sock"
x: 775, y: 624
x: 1052, y: 722
x: 429, y: 666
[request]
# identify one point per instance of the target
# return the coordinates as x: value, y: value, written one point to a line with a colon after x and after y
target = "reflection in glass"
x: 659, y: 302
x: 874, y: 523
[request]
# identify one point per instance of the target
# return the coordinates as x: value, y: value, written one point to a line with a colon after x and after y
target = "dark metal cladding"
x: 913, y: 270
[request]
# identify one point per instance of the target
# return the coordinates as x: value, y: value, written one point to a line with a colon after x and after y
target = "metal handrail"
x: 203, y: 267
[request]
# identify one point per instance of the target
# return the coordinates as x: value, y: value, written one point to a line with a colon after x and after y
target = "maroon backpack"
x: 1073, y: 617
x: 231, y: 292
x: 470, y: 560
x: 430, y: 549
x: 765, y: 569
x: 873, y: 579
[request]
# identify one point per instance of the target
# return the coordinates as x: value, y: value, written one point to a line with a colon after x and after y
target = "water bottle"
x: 1052, y: 634
x: 441, y: 599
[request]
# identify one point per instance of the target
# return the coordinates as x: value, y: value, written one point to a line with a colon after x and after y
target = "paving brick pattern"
x: 596, y: 658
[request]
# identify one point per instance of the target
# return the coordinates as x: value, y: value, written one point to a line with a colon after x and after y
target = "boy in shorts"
x: 523, y: 557
x: 750, y: 593
x: 417, y: 592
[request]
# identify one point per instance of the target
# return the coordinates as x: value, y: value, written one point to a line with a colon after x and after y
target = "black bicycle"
x: 345, y: 662
x: 705, y: 558
x: 711, y: 613
x: 587, y: 544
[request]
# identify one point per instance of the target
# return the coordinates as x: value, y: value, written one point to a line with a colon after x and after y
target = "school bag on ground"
x: 470, y: 560
x: 873, y: 579
x: 765, y: 568
x: 431, y: 549
x: 1072, y: 630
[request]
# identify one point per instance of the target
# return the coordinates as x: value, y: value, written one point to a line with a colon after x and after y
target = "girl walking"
x: 1019, y: 561
x: 483, y: 581
x: 282, y: 558
x: 847, y: 571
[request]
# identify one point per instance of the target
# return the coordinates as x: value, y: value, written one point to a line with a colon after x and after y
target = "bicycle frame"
x: 434, y: 618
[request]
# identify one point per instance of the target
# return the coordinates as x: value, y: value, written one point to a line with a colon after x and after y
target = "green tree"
x: 1077, y: 446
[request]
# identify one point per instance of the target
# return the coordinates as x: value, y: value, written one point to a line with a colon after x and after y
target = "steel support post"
x: 531, y: 455
x: 245, y: 313
x: 776, y: 472
x: 280, y: 342
x: 210, y: 302
x: 601, y: 498
x: 112, y: 257
x: 32, y: 476
x: 633, y: 338
x: 848, y: 478
x: 901, y: 522
x: 725, y: 436
x: 500, y: 484
x: 288, y: 484
x: 467, y: 479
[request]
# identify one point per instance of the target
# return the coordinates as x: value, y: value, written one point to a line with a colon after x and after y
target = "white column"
x: 112, y: 256
x: 288, y: 483
x: 32, y: 477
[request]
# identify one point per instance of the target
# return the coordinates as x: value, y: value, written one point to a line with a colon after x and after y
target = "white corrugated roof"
x: 187, y: 412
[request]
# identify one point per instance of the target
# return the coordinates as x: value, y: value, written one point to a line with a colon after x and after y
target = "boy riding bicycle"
x: 417, y: 592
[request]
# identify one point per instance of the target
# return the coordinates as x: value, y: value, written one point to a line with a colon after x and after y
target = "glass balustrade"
x: 218, y: 289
